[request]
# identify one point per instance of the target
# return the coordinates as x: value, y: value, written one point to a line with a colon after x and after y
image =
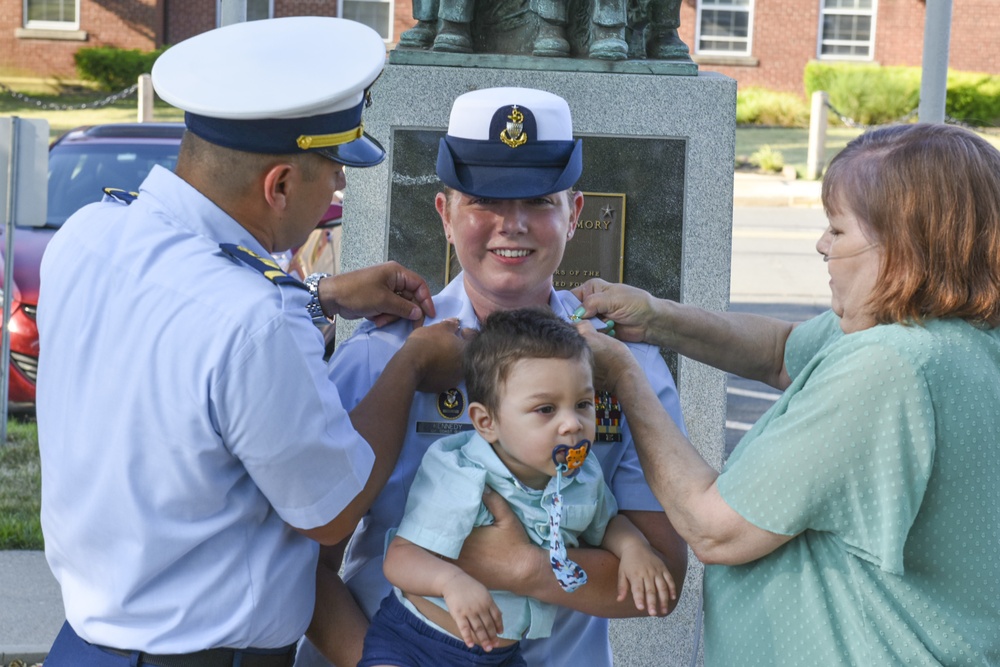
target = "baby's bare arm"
x: 640, y: 569
x: 416, y: 571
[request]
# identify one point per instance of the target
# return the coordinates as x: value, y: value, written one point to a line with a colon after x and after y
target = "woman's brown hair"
x: 929, y: 195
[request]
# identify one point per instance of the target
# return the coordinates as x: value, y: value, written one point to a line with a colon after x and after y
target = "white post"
x: 145, y: 98
x: 8, y: 274
x: 817, y: 136
x: 934, y: 77
x: 24, y: 161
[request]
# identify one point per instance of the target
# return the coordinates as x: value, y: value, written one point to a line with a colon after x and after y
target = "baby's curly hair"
x: 508, y: 336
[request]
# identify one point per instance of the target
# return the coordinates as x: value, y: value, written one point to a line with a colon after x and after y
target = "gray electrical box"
x: 24, y: 164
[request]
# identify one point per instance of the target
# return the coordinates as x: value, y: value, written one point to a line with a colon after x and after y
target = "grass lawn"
x: 20, y: 488
x: 43, y: 95
x: 791, y: 142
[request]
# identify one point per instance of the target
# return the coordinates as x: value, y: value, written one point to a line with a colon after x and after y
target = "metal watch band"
x: 314, y: 307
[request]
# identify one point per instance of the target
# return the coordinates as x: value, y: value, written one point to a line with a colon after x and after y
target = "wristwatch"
x: 314, y: 307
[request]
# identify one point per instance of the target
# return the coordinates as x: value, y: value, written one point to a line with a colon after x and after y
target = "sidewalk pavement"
x: 31, y: 610
x: 750, y: 189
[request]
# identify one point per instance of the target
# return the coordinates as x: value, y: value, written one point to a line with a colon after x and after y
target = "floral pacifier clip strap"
x: 568, y: 461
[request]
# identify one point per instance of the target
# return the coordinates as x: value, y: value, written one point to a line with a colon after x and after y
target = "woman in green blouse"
x: 858, y: 522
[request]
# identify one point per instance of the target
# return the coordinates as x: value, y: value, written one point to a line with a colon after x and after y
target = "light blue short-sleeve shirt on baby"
x: 882, y: 458
x: 445, y: 504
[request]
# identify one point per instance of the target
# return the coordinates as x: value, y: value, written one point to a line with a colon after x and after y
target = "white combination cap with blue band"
x: 510, y: 143
x: 278, y: 86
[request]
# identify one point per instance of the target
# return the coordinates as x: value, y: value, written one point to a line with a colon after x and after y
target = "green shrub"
x: 867, y: 94
x: 768, y: 159
x: 973, y: 98
x: 112, y: 68
x: 874, y: 95
x: 757, y: 106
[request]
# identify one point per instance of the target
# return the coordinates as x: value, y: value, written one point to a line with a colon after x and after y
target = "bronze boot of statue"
x: 453, y: 38
x: 666, y: 44
x: 420, y: 36
x: 550, y: 41
x: 608, y: 43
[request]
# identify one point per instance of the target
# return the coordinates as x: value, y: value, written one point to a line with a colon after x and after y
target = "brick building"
x: 39, y: 37
x: 767, y: 43
x: 764, y: 43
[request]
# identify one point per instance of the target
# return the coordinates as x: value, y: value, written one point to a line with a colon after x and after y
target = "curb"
x: 774, y: 190
x: 791, y: 201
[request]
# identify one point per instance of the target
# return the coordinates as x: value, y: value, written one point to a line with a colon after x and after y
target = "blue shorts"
x: 397, y: 637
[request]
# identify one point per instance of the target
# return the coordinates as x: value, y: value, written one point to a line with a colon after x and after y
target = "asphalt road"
x: 778, y: 273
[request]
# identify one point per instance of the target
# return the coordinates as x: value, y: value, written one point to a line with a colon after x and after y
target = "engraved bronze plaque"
x: 597, y: 249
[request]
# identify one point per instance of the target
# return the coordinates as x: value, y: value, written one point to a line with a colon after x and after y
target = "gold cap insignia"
x: 514, y: 135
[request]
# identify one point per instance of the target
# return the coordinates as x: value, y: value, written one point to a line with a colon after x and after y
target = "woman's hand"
x: 501, y: 555
x: 630, y: 307
x: 611, y: 357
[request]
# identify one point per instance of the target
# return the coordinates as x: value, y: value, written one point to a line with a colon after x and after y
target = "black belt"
x: 216, y: 657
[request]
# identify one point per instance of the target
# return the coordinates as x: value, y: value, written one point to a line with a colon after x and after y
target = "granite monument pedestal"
x: 666, y: 143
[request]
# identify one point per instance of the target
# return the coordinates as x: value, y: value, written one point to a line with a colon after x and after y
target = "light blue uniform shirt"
x: 445, y: 504
x: 185, y: 419
x: 577, y: 639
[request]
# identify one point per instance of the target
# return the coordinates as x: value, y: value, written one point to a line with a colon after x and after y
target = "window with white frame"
x: 724, y: 27
x: 376, y: 14
x: 259, y: 9
x: 52, y: 14
x: 847, y: 29
x: 256, y: 9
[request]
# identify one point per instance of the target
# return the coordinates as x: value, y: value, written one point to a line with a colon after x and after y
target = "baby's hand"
x: 475, y: 613
x: 641, y: 570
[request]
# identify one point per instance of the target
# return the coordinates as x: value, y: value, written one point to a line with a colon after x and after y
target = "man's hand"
x: 630, y: 307
x: 436, y: 350
x: 382, y: 293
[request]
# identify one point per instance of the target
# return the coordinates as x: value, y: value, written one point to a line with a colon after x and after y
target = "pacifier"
x: 569, y: 458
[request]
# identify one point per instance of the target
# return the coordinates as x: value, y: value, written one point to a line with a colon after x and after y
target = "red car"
x: 82, y: 163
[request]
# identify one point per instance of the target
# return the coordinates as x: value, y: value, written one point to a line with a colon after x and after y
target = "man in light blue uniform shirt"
x: 193, y: 448
x: 509, y: 213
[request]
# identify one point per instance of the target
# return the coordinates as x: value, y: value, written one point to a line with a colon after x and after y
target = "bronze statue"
x: 445, y: 26
x: 599, y: 29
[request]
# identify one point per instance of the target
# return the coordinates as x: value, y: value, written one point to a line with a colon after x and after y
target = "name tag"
x: 442, y: 428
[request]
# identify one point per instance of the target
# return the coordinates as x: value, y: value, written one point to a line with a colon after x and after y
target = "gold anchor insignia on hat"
x: 514, y: 135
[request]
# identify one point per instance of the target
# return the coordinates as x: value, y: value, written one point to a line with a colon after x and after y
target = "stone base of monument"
x: 659, y: 153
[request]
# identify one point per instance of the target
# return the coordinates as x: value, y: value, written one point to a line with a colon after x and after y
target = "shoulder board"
x: 120, y: 195
x: 264, y: 265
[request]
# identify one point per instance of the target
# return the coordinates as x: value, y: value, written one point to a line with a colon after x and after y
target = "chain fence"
x: 850, y: 122
x: 53, y: 106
